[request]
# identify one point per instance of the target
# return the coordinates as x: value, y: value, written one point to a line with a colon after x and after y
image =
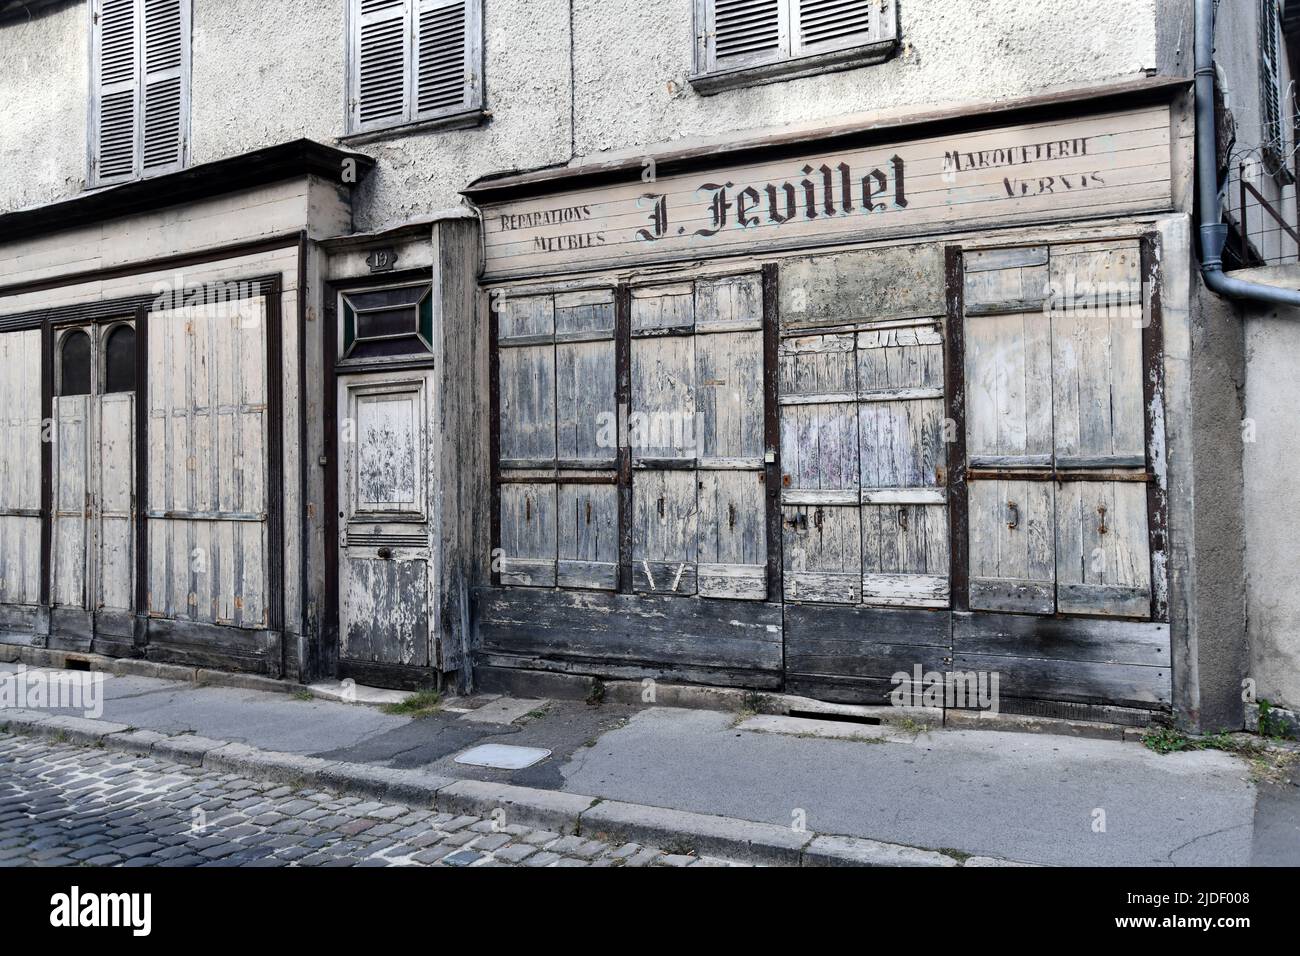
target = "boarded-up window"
x: 140, y: 78
x: 692, y: 430
x: 411, y: 60
x: 1055, y: 430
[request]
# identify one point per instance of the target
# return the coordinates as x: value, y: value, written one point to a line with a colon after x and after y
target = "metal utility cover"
x: 502, y: 756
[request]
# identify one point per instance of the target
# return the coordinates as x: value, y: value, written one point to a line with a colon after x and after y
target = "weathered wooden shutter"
x: 1102, y: 558
x: 20, y: 477
x: 527, y: 408
x: 381, y: 63
x: 1269, y: 84
x: 662, y: 435
x: 902, y: 466
x: 586, y: 438
x: 1056, y: 426
x: 1009, y: 432
x: 824, y: 26
x: 116, y: 86
x: 207, y: 436
x: 740, y: 33
x: 166, y: 52
x: 820, y: 499
x: 447, y: 57
x: 731, y: 495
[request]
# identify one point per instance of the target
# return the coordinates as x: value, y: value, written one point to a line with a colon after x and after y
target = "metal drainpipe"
x: 1214, y: 232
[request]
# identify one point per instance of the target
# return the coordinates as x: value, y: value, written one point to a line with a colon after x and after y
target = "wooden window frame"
x: 469, y: 114
x: 709, y: 79
x: 138, y: 171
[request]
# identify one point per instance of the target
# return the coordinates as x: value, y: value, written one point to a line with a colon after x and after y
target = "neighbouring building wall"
x: 1271, y: 453
x: 565, y: 81
x: 1263, y: 152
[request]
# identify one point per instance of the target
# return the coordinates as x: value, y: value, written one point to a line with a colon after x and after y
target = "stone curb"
x: 564, y: 813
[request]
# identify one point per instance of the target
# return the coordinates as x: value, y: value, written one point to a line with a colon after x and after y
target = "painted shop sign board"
x: 1081, y: 167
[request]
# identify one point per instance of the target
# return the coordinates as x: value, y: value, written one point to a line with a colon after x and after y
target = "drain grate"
x: 842, y: 718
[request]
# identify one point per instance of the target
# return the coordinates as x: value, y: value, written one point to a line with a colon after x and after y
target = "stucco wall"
x: 43, y: 101
x: 265, y: 73
x: 1271, y: 458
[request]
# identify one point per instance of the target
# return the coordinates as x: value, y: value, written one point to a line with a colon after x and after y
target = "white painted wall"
x: 264, y: 73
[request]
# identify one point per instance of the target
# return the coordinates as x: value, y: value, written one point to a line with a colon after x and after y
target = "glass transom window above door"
x: 379, y: 324
x: 1056, y: 448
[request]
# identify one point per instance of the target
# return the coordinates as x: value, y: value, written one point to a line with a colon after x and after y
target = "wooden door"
x: 92, y: 561
x: 386, y: 560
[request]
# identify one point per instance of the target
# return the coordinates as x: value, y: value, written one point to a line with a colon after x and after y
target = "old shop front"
x: 806, y: 412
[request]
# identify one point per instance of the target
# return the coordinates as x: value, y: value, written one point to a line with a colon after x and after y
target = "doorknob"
x: 385, y: 553
x: 1014, y: 513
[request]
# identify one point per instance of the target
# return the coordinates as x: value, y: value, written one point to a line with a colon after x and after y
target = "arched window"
x: 119, y: 360
x: 74, y: 364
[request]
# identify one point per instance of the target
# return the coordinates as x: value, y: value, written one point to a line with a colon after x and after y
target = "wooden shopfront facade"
x: 804, y: 413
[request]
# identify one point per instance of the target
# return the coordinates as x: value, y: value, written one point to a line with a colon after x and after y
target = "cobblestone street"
x: 63, y: 805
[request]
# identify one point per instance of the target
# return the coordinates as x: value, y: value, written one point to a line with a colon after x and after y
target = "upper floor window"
x: 139, y: 94
x: 413, y: 60
x: 1270, y: 82
x: 738, y: 42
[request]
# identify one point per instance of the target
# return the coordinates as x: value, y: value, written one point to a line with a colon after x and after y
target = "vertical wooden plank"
x: 623, y: 373
x: 116, y: 481
x: 772, y: 426
x: 1154, y: 420
x: 955, y: 425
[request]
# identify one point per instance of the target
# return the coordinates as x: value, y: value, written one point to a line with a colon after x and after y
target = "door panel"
x: 905, y: 554
x: 665, y: 545
x: 1012, y: 546
x: 528, y: 534
x: 1097, y: 357
x: 1103, y: 563
x: 386, y: 565
x: 1009, y: 389
x: 588, y: 536
x: 733, y: 535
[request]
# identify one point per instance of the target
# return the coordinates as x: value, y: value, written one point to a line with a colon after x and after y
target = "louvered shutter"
x: 166, y: 49
x: 446, y: 57
x: 741, y: 33
x: 115, y: 85
x: 824, y: 26
x: 1270, y: 97
x: 381, y: 63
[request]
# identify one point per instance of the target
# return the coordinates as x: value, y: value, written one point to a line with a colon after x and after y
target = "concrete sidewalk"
x: 1035, y: 798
